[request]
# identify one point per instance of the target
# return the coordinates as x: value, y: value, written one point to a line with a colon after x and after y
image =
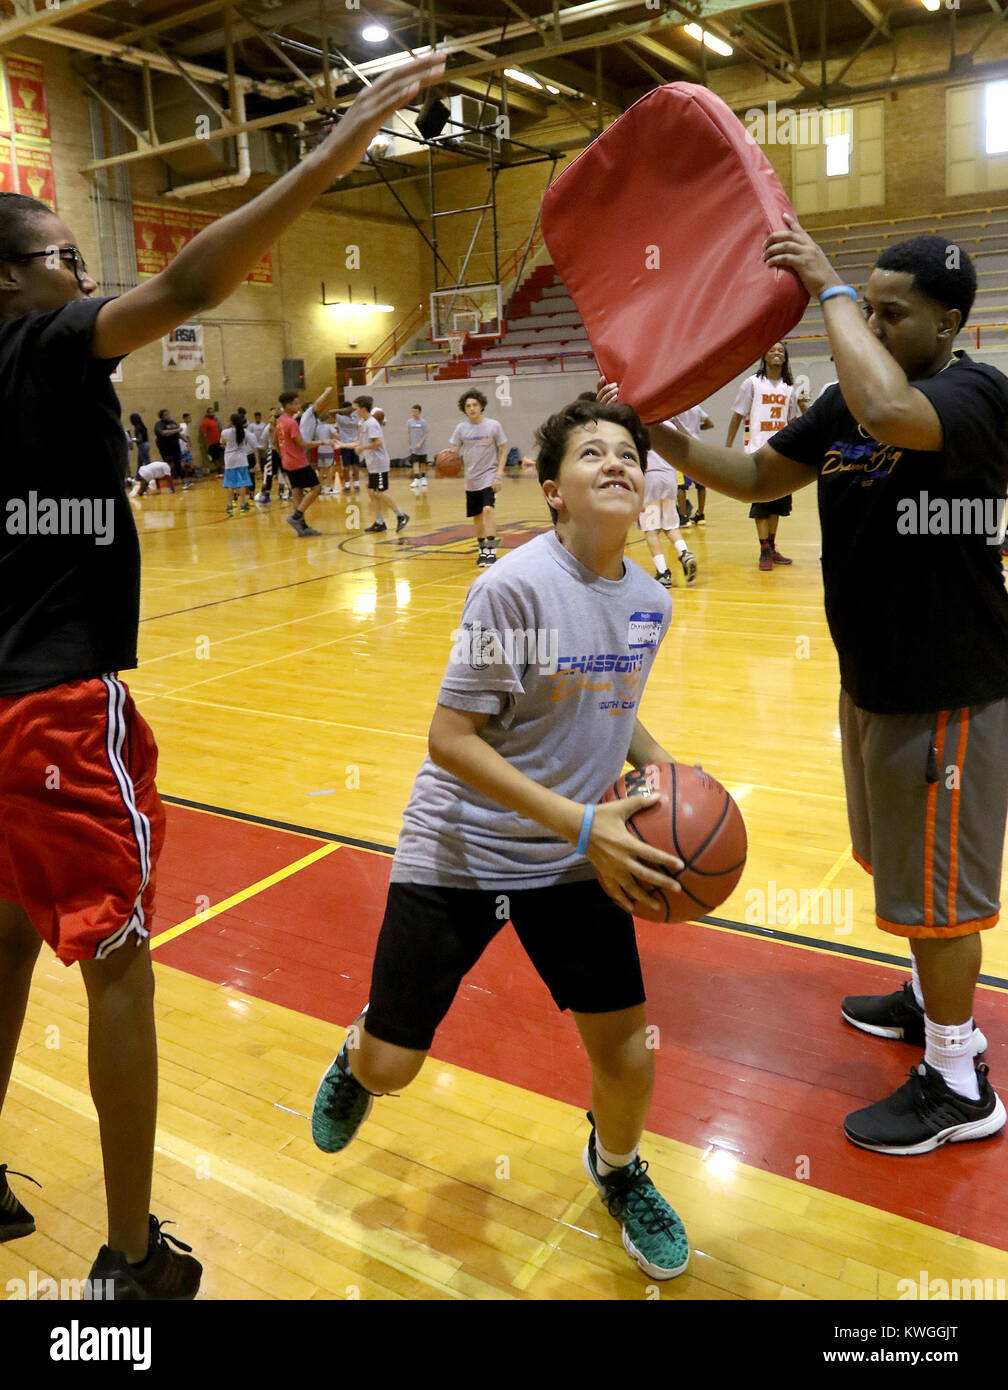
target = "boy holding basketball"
x: 504, y: 809
x: 78, y: 857
x: 919, y: 617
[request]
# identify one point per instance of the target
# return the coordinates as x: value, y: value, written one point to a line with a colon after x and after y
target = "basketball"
x: 448, y: 463
x: 697, y: 821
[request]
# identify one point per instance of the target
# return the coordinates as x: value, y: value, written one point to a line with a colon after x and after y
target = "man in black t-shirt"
x: 168, y: 442
x: 78, y: 857
x: 910, y: 453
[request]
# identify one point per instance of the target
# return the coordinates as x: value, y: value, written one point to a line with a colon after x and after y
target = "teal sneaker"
x: 341, y: 1106
x: 652, y: 1233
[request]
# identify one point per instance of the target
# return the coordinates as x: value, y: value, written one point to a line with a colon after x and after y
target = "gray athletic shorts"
x: 927, y: 800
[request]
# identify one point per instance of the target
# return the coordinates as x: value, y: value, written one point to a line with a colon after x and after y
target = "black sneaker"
x: 309, y: 530
x: 14, y: 1220
x: 402, y: 521
x: 699, y: 519
x: 924, y: 1114
x: 164, y: 1275
x: 297, y: 522
x: 483, y: 559
x: 376, y: 526
x: 665, y: 577
x: 689, y: 565
x: 896, y: 1015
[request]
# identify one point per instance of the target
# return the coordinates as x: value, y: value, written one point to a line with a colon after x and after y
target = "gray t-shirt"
x: 558, y: 658
x: 417, y: 433
x: 375, y: 460
x: 478, y: 445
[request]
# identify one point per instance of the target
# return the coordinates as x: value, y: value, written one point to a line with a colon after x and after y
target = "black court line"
x: 766, y: 933
x: 317, y: 578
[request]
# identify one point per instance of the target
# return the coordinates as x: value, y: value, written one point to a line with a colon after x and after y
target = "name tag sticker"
x: 645, y: 630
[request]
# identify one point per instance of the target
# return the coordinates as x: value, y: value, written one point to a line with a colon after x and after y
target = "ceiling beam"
x: 139, y: 57
x: 28, y: 25
x: 176, y: 21
x: 872, y: 13
x: 657, y: 50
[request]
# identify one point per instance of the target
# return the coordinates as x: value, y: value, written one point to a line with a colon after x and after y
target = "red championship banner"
x: 150, y: 236
x: 5, y: 120
x: 27, y: 98
x: 8, y: 180
x: 35, y: 170
x: 160, y: 233
x: 178, y: 229
x: 261, y: 274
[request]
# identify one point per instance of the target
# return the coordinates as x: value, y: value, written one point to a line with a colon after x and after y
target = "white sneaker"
x: 423, y: 481
x: 356, y: 487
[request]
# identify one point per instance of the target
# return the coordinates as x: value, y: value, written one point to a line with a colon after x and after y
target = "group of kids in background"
x: 318, y: 452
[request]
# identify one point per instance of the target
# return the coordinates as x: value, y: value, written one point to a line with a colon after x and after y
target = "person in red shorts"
x: 81, y: 823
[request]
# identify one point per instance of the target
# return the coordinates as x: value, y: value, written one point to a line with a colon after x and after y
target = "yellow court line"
x: 237, y: 898
x: 266, y: 714
x: 840, y: 862
x: 401, y: 1252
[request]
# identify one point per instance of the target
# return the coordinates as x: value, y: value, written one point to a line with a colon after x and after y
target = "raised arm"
x: 215, y: 262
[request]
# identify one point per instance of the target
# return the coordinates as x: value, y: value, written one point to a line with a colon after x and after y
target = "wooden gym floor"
x: 290, y: 685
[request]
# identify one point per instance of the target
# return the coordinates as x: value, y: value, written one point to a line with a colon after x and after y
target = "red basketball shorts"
x: 81, y: 823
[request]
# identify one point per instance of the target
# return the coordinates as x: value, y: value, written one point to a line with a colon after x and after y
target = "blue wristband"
x: 586, y: 826
x: 834, y: 290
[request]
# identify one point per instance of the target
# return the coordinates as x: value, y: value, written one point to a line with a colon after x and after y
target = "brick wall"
x: 247, y: 336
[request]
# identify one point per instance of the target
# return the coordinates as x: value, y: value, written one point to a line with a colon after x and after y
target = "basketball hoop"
x: 456, y: 342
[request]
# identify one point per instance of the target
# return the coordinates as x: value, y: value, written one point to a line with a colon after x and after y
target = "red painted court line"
x: 753, y: 1054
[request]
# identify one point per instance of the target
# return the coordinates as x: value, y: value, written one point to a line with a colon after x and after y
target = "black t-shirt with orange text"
x: 915, y: 598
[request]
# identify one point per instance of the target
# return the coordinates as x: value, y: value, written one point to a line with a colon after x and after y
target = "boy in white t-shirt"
x: 376, y: 461
x: 769, y: 401
x: 483, y: 446
x: 692, y: 422
x: 416, y: 433
x: 660, y: 515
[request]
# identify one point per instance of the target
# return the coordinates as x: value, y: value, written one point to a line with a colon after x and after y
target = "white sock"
x: 950, y: 1051
x: 606, y: 1162
x: 681, y: 547
x: 918, y: 992
x: 660, y: 563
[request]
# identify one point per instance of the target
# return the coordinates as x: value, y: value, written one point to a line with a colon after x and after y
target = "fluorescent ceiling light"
x: 517, y: 76
x: 374, y: 33
x: 702, y: 36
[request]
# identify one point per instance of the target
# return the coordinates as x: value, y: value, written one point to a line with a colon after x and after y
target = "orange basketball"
x: 448, y: 463
x: 697, y: 821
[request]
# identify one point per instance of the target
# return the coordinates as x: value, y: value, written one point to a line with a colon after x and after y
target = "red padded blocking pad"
x: 677, y: 180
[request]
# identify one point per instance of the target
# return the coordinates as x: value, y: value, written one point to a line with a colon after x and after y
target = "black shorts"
x: 377, y: 482
x: 417, y: 458
x: 763, y: 511
x: 304, y: 478
x: 476, y: 501
x: 581, y: 943
x: 349, y: 457
x: 215, y: 452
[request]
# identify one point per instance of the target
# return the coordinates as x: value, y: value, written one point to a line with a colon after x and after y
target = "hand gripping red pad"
x: 677, y: 184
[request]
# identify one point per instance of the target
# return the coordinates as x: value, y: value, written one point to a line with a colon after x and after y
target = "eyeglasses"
x: 69, y: 255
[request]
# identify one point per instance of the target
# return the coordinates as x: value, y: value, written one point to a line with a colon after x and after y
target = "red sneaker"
x: 778, y: 558
x: 765, y: 558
